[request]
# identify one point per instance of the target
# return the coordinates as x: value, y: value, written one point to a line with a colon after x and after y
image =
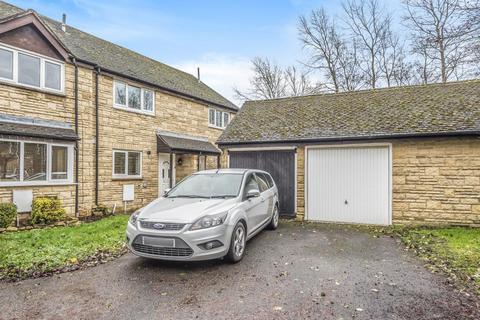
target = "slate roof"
x: 174, y: 142
x: 424, y: 110
x: 37, y: 131
x: 117, y: 59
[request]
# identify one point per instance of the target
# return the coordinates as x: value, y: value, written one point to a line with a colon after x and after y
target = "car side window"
x: 251, y: 184
x: 262, y: 182
x: 270, y: 180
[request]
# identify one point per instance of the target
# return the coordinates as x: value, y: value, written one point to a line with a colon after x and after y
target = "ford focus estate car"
x: 210, y: 214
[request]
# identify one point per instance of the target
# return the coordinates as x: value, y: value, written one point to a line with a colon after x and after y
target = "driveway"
x: 296, y: 272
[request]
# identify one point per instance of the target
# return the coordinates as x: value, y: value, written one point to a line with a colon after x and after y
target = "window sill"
x: 215, y: 127
x: 127, y: 178
x: 36, y: 184
x: 151, y: 114
x: 31, y: 88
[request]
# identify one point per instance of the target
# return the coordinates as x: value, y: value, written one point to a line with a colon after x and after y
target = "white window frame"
x: 126, y: 175
x: 125, y: 106
x: 222, y: 116
x: 48, y: 180
x: 43, y: 59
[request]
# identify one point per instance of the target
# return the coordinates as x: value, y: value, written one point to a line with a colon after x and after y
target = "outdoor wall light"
x: 179, y: 161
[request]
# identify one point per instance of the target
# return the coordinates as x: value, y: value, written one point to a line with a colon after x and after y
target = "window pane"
x: 218, y: 118
x: 211, y: 117
x: 134, y: 97
x: 28, y: 70
x: 9, y: 161
x: 120, y: 93
x: 226, y: 118
x: 59, y: 162
x: 251, y: 184
x: 148, y: 100
x: 262, y: 182
x: 119, y: 163
x: 133, y: 164
x: 52, y: 75
x: 35, y: 162
x: 6, y: 64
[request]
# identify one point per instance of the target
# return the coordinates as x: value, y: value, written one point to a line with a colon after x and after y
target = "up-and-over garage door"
x: 348, y: 184
x: 280, y: 164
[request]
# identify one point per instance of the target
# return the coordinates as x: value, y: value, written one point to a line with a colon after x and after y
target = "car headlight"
x: 209, y: 221
x: 134, y: 217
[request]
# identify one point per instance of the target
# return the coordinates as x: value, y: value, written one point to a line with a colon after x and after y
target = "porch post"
x: 218, y: 162
x: 198, y: 161
x: 170, y: 173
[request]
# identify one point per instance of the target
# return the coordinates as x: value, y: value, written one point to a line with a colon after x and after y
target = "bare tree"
x: 271, y: 81
x: 444, y: 30
x: 268, y: 81
x: 298, y: 82
x: 319, y: 34
x: 425, y: 70
x: 330, y: 52
x: 369, y: 23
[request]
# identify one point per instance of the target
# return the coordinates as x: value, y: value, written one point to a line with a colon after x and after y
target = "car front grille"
x: 162, y: 251
x: 166, y: 226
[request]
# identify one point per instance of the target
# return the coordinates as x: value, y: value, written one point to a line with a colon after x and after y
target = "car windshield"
x: 218, y: 185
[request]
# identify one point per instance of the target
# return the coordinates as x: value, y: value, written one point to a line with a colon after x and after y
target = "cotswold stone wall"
x: 436, y: 181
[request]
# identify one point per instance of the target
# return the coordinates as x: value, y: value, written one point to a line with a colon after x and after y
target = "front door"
x: 163, y: 173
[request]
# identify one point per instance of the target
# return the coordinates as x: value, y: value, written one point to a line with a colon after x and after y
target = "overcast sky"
x: 218, y: 36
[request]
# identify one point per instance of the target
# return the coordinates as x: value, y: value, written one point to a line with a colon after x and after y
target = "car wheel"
x: 274, y: 221
x: 237, y: 244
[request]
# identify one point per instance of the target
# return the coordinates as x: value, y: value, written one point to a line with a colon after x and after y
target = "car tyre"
x: 237, y: 243
x: 275, y: 218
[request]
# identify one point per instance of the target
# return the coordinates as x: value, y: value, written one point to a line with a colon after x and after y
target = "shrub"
x: 47, y: 210
x: 8, y: 212
x: 100, y: 211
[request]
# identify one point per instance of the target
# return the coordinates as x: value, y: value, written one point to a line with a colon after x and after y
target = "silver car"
x: 210, y: 214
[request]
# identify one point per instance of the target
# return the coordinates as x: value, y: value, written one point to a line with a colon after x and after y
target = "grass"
x: 452, y: 250
x: 36, y: 252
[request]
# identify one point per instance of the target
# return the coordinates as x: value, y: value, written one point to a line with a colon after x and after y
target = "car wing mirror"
x: 253, y: 193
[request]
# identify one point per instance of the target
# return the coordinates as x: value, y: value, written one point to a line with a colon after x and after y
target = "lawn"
x: 36, y: 252
x: 453, y: 250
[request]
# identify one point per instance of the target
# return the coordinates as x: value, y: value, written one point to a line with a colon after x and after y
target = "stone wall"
x: 436, y: 181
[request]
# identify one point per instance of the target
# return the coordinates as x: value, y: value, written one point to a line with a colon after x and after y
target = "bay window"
x: 31, y: 70
x: 218, y: 119
x: 127, y: 164
x: 133, y: 98
x: 32, y: 163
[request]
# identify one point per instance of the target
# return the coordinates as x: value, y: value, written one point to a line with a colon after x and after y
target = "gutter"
x: 77, y: 159
x: 97, y: 74
x: 160, y: 87
x: 354, y: 138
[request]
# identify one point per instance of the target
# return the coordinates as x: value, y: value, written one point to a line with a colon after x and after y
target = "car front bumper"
x: 187, y: 244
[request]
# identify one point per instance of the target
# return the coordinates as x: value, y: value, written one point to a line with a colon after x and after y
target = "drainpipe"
x: 77, y: 151
x: 97, y: 74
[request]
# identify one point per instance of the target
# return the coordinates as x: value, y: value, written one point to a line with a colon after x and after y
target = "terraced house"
x: 93, y: 123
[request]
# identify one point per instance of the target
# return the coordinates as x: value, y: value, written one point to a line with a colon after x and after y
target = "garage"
x: 348, y: 184
x: 280, y: 164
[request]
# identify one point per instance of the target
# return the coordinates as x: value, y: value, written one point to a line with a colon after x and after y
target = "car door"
x: 253, y: 206
x: 266, y: 195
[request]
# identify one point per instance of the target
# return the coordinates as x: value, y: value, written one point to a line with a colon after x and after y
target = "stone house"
x: 395, y: 155
x: 93, y: 123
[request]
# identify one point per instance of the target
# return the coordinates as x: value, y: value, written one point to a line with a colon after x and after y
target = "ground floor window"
x: 31, y: 162
x: 127, y: 164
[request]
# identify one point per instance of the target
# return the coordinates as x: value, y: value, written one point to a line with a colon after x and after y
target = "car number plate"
x: 158, y: 242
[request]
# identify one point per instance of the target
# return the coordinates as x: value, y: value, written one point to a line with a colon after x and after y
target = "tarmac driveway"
x: 296, y: 272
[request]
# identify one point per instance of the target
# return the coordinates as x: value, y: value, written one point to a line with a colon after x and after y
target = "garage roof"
x: 410, y: 111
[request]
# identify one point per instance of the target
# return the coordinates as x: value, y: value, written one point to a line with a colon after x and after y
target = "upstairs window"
x: 133, y: 98
x: 31, y: 70
x: 218, y: 119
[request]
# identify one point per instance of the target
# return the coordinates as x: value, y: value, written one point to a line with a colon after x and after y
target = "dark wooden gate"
x: 281, y: 166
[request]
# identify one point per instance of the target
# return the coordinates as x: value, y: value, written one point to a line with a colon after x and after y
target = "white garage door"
x: 348, y: 184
